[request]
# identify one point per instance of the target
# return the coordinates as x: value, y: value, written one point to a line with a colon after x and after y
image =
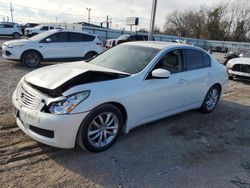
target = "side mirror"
x: 160, y: 73
x: 48, y: 40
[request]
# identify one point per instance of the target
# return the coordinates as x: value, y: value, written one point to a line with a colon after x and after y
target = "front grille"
x: 27, y: 99
x: 241, y: 68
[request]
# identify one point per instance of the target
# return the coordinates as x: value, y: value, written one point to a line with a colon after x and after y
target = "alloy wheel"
x: 103, y: 129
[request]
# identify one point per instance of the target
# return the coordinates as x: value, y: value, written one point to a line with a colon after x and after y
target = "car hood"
x: 240, y: 60
x: 19, y: 41
x: 51, y: 77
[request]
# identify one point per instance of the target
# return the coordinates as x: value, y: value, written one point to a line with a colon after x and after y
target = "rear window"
x: 195, y: 59
x: 78, y: 37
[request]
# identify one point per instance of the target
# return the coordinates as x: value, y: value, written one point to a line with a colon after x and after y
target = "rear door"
x: 80, y: 44
x: 197, y: 75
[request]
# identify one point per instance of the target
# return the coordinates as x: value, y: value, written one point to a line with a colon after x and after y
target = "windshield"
x: 123, y: 37
x: 126, y: 58
x: 42, y: 35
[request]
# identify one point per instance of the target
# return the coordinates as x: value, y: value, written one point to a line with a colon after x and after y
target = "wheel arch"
x: 217, y: 85
x: 31, y: 50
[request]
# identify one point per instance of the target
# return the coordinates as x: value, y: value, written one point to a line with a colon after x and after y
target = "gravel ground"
x: 186, y: 150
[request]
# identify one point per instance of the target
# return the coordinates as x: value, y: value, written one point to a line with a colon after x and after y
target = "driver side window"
x: 171, y: 61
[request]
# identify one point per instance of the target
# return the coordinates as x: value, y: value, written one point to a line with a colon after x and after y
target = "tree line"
x: 228, y: 21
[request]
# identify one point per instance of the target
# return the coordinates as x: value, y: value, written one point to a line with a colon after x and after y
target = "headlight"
x: 19, y: 45
x: 67, y: 105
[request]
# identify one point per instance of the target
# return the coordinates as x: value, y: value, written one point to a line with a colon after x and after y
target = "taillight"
x: 99, y: 43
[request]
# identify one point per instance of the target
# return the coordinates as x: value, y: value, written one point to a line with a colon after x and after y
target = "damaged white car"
x: 92, y: 103
x: 239, y: 68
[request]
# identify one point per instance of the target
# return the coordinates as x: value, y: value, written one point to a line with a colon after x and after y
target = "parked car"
x: 110, y: 43
x: 130, y: 38
x: 52, y: 45
x: 91, y: 103
x: 231, y: 55
x: 28, y: 25
x: 239, y: 67
x: 30, y: 32
x: 10, y: 29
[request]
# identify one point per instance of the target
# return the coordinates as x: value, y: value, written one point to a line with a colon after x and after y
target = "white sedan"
x: 52, y: 45
x: 91, y: 103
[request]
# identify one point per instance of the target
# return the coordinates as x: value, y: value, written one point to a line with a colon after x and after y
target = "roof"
x: 157, y: 44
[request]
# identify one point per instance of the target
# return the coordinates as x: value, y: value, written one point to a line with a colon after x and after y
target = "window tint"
x: 171, y: 61
x: 132, y: 38
x: 207, y: 60
x: 60, y: 37
x: 1, y: 26
x: 78, y: 37
x: 51, y: 27
x: 8, y: 26
x: 194, y: 59
x: 45, y: 28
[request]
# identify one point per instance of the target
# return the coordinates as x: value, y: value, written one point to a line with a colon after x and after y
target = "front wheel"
x: 31, y: 59
x: 211, y: 100
x: 100, y: 129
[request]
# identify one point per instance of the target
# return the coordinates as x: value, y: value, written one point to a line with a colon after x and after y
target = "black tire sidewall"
x: 17, y: 35
x: 83, y: 130
x: 89, y: 55
x: 28, y: 53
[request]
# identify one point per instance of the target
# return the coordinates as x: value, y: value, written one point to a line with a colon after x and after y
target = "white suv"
x: 52, y: 45
x: 30, y: 32
x: 9, y: 29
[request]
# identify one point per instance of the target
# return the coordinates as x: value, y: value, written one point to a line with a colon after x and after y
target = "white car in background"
x: 239, y: 67
x: 52, y: 45
x: 91, y: 103
x: 30, y: 32
x: 10, y: 29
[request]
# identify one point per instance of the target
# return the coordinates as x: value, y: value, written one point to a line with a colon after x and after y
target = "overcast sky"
x: 75, y: 10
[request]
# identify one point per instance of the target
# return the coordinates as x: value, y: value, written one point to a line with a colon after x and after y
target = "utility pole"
x: 11, y: 11
x: 110, y: 22
x: 107, y: 21
x: 56, y: 19
x: 152, y: 20
x: 88, y: 9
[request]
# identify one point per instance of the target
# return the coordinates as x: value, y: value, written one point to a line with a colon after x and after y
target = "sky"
x: 71, y: 11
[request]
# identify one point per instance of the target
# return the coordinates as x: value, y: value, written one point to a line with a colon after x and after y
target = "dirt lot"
x: 187, y: 150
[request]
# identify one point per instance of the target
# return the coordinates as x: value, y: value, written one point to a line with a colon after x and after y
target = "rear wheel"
x: 211, y: 99
x: 89, y: 55
x: 31, y: 59
x: 16, y: 35
x: 100, y: 129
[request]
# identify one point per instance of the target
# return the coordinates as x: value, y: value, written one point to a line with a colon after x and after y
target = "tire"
x: 16, y: 35
x: 231, y: 77
x: 31, y: 59
x: 91, y: 134
x: 211, y: 99
x: 89, y: 55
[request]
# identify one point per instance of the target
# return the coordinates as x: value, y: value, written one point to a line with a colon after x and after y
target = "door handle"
x: 181, y: 81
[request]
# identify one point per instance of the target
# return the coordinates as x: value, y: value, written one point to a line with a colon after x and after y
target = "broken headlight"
x: 67, y: 105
